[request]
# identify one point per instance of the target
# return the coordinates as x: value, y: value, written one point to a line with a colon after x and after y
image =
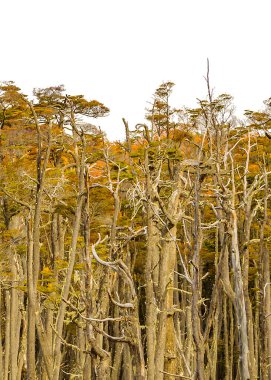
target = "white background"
x: 119, y: 51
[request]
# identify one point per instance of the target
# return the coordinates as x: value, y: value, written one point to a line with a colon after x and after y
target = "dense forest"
x: 141, y: 259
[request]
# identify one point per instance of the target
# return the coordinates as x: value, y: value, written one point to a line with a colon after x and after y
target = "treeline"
x: 142, y: 259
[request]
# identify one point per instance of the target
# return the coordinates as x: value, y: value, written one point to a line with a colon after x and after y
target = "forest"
x: 146, y: 258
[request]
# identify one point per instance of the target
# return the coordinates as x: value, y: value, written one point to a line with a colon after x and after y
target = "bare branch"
x: 175, y: 375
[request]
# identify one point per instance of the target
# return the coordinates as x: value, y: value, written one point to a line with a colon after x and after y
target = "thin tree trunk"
x: 15, y: 322
x: 266, y: 292
x: 31, y: 319
x: 196, y: 295
x: 226, y: 337
x: 7, y: 336
x: 1, y: 329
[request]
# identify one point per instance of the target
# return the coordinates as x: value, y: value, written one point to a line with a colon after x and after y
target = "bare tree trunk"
x: 239, y: 301
x: 250, y: 322
x: 88, y: 287
x: 266, y: 313
x: 165, y: 355
x: 15, y: 322
x: 196, y: 286
x: 151, y: 271
x: 126, y: 364
x: 31, y: 319
x: 231, y: 340
x: 21, y: 358
x: 7, y: 336
x: 257, y: 340
x: 226, y: 337
x: 1, y: 331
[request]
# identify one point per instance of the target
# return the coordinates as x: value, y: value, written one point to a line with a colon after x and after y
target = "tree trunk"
x: 239, y: 302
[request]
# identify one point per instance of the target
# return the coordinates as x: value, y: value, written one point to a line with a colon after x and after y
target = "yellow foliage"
x: 47, y: 271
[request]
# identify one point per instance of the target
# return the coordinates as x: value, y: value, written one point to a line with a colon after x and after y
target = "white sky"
x: 119, y: 51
